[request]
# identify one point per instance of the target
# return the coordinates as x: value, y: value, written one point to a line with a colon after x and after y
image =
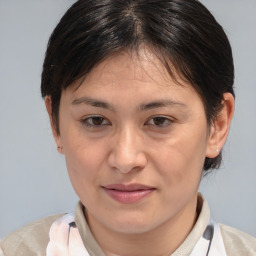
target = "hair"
x: 183, y: 34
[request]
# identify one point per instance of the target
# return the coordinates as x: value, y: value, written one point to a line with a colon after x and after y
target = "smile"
x: 128, y: 193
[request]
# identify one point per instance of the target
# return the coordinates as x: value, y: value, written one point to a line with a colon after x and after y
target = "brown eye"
x: 95, y: 121
x: 159, y: 121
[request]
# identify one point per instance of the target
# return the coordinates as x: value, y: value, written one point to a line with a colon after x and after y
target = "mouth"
x: 128, y: 194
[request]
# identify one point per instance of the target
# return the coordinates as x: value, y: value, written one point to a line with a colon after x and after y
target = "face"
x: 134, y: 143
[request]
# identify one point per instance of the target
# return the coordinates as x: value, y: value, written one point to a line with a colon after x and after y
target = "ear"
x: 220, y: 128
x: 56, y: 135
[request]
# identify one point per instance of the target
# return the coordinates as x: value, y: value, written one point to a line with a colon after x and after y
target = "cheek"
x: 181, y: 159
x: 84, y: 169
x: 80, y: 153
x: 83, y: 160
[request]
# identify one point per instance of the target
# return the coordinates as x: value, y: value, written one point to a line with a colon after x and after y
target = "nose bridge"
x: 127, y: 152
x: 126, y: 146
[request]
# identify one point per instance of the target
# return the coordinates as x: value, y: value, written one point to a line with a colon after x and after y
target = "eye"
x: 159, y: 121
x: 95, y: 121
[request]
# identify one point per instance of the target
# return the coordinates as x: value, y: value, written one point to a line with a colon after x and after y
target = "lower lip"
x: 128, y: 197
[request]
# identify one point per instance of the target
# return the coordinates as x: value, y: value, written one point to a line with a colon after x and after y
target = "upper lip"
x: 128, y: 187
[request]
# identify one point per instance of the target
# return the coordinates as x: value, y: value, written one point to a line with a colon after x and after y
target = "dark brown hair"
x: 181, y: 33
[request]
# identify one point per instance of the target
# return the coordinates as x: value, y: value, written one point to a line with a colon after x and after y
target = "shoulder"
x: 31, y: 239
x: 237, y: 242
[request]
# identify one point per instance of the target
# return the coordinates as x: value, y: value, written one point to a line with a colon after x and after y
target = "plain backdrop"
x: 33, y: 177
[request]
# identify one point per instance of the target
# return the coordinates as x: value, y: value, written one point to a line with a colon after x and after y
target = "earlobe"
x: 56, y: 135
x: 220, y: 127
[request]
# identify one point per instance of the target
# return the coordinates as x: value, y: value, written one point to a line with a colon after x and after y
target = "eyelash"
x: 160, y: 118
x: 88, y: 121
x: 85, y: 122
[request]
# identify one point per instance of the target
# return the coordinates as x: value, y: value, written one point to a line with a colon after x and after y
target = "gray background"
x: 33, y: 177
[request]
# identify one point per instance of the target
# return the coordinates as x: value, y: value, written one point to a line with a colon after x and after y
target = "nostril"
x: 126, y: 153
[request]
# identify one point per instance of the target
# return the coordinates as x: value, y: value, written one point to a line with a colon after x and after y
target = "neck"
x: 163, y: 240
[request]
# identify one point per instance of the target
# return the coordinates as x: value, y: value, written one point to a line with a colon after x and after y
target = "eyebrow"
x: 92, y: 102
x: 152, y: 105
x: 161, y: 104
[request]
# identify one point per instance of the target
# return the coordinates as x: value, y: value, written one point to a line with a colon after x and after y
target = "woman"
x: 140, y: 99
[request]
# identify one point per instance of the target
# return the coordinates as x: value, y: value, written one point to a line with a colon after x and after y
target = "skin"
x: 128, y: 144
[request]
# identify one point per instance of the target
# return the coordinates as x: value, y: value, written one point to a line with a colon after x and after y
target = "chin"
x: 132, y: 224
x: 134, y: 229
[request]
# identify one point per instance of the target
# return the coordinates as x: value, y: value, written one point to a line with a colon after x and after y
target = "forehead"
x: 130, y: 81
x: 139, y: 74
x: 142, y: 66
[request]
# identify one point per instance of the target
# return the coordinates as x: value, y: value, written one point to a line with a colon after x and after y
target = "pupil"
x: 159, y: 120
x: 97, y: 120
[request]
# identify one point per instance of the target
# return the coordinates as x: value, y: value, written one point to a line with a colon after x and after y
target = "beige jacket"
x: 32, y: 239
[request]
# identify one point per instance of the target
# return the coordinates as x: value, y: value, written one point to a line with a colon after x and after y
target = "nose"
x: 127, y: 152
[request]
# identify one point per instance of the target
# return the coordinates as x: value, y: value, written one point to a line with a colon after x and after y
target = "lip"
x: 128, y: 194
